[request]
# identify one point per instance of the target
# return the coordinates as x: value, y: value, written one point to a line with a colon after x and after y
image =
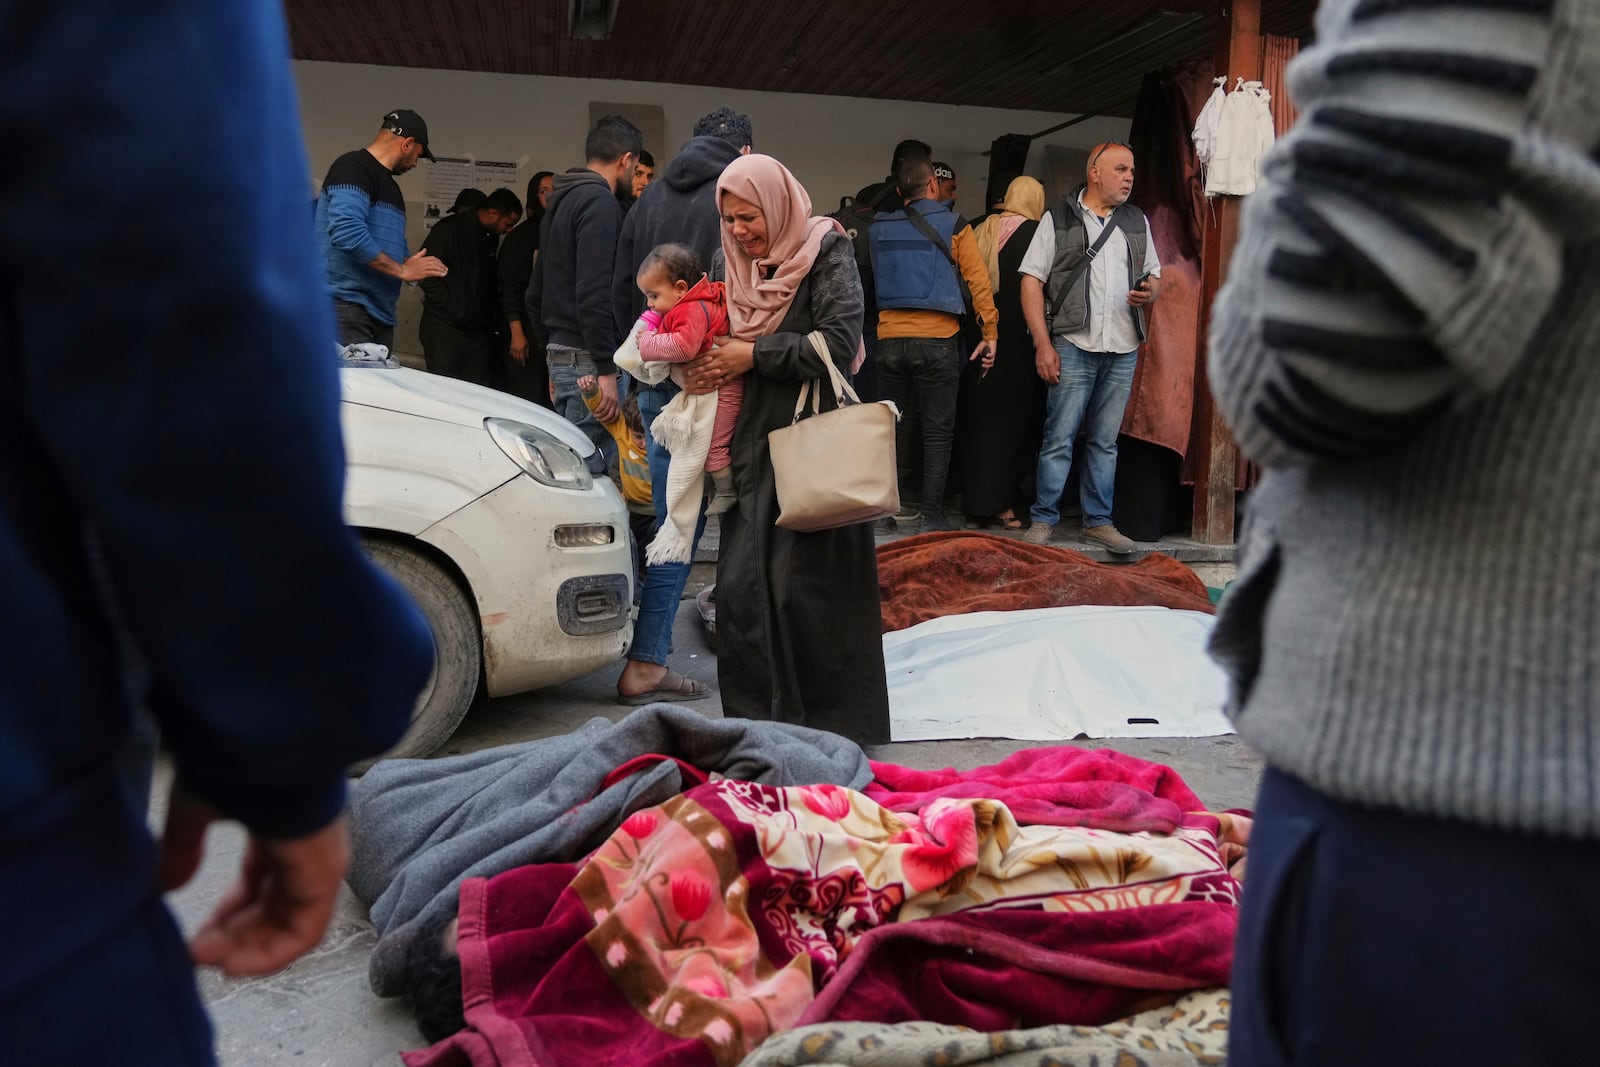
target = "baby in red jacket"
x: 688, y: 312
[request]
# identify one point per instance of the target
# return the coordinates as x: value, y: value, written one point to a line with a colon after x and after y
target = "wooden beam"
x: 1238, y: 55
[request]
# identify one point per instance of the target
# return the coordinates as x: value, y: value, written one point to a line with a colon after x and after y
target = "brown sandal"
x: 673, y: 688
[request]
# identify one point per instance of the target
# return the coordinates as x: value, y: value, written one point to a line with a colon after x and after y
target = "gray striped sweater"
x: 1409, y: 343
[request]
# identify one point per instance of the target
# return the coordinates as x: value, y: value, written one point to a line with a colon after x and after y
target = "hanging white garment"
x: 1244, y: 134
x: 1205, y: 127
x: 1266, y: 125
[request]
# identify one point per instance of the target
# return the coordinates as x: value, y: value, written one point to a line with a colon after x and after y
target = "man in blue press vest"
x: 926, y: 270
x: 1095, y: 260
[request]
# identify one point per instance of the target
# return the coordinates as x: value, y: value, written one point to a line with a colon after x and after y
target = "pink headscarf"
x: 757, y: 303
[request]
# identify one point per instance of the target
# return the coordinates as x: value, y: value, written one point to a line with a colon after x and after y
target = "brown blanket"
x: 935, y: 574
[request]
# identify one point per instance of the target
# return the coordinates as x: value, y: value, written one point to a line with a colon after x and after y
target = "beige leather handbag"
x: 835, y: 468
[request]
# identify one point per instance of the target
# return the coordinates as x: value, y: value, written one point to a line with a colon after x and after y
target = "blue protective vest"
x: 908, y: 271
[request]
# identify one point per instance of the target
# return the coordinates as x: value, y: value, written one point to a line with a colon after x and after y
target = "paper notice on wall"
x: 494, y: 174
x: 448, y: 175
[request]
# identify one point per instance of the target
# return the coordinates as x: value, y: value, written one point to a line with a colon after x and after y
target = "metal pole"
x: 1216, y: 466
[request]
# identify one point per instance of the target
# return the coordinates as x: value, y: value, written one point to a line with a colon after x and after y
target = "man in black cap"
x: 944, y: 178
x: 361, y: 226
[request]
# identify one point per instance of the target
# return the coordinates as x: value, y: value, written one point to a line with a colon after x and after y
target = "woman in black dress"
x: 1002, y: 412
x: 799, y: 631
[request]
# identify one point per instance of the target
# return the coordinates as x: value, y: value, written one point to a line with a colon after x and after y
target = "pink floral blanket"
x: 1059, y: 785
x: 736, y: 911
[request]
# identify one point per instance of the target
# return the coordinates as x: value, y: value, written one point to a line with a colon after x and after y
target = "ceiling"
x: 1045, y: 55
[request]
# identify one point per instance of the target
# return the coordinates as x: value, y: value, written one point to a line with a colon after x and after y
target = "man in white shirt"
x: 1088, y: 275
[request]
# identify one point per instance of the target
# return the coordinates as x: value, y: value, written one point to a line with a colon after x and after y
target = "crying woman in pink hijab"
x: 770, y: 242
x: 798, y: 622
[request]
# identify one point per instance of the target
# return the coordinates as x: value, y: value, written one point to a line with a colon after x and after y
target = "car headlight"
x: 544, y: 456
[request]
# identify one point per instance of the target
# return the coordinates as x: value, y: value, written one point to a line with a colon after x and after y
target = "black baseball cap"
x: 406, y: 123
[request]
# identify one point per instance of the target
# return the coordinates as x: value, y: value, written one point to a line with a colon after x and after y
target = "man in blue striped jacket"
x: 361, y: 226
x: 209, y: 540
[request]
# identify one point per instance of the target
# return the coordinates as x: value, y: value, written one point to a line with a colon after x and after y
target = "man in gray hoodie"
x: 679, y: 207
x: 569, y: 295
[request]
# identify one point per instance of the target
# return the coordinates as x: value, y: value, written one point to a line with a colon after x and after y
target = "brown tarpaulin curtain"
x: 1275, y: 55
x: 1171, y: 193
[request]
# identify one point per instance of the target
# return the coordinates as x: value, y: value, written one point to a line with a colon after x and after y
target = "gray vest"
x: 1072, y: 241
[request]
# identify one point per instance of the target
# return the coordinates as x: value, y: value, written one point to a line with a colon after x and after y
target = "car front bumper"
x: 549, y: 613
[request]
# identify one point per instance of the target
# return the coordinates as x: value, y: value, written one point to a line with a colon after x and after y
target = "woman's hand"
x: 729, y: 359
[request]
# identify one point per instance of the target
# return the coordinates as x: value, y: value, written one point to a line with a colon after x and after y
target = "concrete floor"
x: 321, y: 1013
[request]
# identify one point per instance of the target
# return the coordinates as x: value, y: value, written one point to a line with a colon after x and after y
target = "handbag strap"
x: 800, y: 401
x: 1083, y: 264
x: 842, y: 389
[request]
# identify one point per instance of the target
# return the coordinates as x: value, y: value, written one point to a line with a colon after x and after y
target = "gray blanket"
x: 420, y: 827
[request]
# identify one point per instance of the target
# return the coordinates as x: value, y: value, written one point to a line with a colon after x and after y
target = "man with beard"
x: 570, y: 291
x: 644, y: 172
x: 361, y: 226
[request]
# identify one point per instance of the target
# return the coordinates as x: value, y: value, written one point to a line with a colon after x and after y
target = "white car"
x: 496, y: 516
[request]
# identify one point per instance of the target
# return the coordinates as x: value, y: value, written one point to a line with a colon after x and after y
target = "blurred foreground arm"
x: 188, y: 416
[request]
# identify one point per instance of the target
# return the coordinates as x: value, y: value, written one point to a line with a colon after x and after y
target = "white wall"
x: 834, y: 145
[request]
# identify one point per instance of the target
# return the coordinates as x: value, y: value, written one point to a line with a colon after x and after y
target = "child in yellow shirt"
x: 633, y: 464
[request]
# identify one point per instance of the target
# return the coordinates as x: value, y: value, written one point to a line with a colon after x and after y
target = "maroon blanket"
x: 1009, y: 970
x: 936, y: 574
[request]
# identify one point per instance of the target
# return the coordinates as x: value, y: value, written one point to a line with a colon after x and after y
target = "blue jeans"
x: 663, y: 582
x: 1092, y: 393
x: 1363, y: 928
x: 570, y: 406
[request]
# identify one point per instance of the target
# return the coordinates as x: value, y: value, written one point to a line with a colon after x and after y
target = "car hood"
x: 433, y: 396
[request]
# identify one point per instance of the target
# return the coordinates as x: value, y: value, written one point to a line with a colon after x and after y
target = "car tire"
x: 458, y: 649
